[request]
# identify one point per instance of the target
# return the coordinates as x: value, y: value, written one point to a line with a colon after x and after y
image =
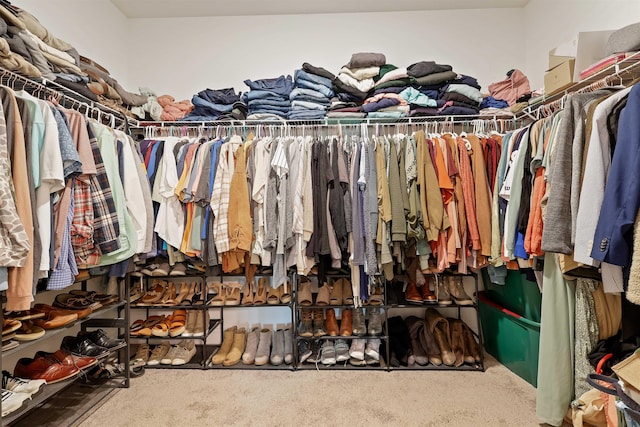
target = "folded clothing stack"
x: 219, y: 104
x: 311, y: 94
x: 173, y: 110
x: 269, y: 98
x: 462, y: 96
x: 355, y: 81
x: 427, y: 78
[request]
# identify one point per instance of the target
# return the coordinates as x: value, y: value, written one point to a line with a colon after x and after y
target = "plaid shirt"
x: 82, y: 226
x: 65, y: 272
x: 220, y: 196
x: 106, y: 226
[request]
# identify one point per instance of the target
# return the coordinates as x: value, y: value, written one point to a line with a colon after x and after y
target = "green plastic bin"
x: 517, y: 294
x: 510, y: 338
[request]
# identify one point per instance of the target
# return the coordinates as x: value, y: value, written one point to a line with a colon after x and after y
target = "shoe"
x: 12, y: 401
x: 44, y: 368
x: 288, y: 346
x: 171, y: 354
x: 178, y: 270
x: 201, y: 323
x: 247, y: 296
x: 192, y: 318
x: 182, y: 295
x: 262, y: 355
x: 158, y: 353
x: 328, y: 353
x: 316, y: 347
x: 440, y: 329
x: 306, y: 327
x: 472, y: 349
x: 22, y: 315
x: 304, y: 350
x: 375, y: 321
x: 142, y: 356
x: 55, y: 317
x: 83, y: 346
x: 416, y: 327
x: 184, y: 352
x: 376, y: 296
x: 220, y: 298
x: 285, y: 293
x: 19, y: 385
x: 332, y: 323
x: 305, y: 297
x: 444, y: 297
x: 342, y: 351
x: 154, y: 295
x: 456, y: 289
x: 357, y: 362
x: 28, y: 331
x: 428, y: 297
x: 318, y: 323
x: 66, y: 358
x: 237, y: 348
x: 373, y: 349
x: 346, y: 323
x: 261, y: 292
x: 100, y: 337
x: 277, y: 351
x: 253, y: 338
x: 412, y: 295
x: 335, y: 296
x: 324, y: 293
x: 162, y: 270
x: 456, y: 328
x: 169, y: 297
x: 368, y: 360
x: 359, y: 326
x: 347, y: 292
x: 357, y: 349
x: 225, y: 347
x: 233, y: 297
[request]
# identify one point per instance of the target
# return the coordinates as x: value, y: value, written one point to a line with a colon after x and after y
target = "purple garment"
x: 455, y: 110
x: 383, y: 103
x: 424, y: 111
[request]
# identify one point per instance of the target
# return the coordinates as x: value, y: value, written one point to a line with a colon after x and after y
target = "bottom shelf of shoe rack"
x: 479, y: 367
x: 343, y: 366
x: 197, y: 362
x: 241, y: 366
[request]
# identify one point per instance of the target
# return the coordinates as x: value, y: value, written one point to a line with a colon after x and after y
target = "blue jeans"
x: 270, y: 101
x: 261, y: 94
x: 281, y: 85
x: 220, y: 108
x: 307, y: 105
x: 303, y: 75
x: 326, y: 91
x: 307, y: 93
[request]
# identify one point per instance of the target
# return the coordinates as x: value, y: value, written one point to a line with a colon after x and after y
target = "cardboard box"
x: 555, y: 60
x: 559, y: 78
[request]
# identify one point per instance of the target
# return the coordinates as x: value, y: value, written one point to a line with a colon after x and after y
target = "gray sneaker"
x: 375, y: 321
x: 249, y: 355
x: 288, y: 346
x: 158, y: 353
x: 357, y: 349
x: 342, y: 351
x: 262, y: 355
x: 277, y: 351
x: 184, y: 353
x: 316, y: 346
x: 168, y: 358
x: 328, y: 353
x: 359, y: 326
x: 373, y: 348
x: 304, y: 350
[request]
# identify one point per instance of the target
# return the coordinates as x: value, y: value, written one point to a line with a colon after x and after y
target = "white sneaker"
x: 373, y: 348
x: 19, y: 385
x: 357, y: 349
x: 342, y: 351
x: 328, y: 353
x: 12, y: 401
x: 184, y: 353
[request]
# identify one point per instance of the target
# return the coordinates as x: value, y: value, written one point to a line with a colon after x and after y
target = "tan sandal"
x: 347, y: 292
x: 335, y: 297
x: 220, y: 298
x: 285, y: 293
x: 323, y: 295
x: 184, y: 291
x: 273, y: 298
x: 161, y: 329
x: 178, y: 323
x: 169, y: 297
x: 261, y: 293
x: 154, y: 295
x: 232, y: 291
x: 147, y: 326
x: 247, y: 298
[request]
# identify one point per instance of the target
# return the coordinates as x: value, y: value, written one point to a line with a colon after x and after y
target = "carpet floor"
x: 496, y: 397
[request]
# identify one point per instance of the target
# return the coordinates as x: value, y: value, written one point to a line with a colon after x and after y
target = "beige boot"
x: 227, y: 343
x: 304, y: 292
x: 192, y: 318
x: 235, y: 354
x: 347, y: 292
x: 323, y: 297
x: 335, y: 297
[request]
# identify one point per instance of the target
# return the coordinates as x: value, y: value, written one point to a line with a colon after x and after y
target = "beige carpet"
x: 329, y: 398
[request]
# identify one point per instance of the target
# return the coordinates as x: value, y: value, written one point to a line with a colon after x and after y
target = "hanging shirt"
x: 170, y: 219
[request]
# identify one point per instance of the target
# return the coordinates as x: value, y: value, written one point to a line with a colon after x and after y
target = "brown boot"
x: 346, y: 324
x: 427, y: 295
x: 323, y: 295
x: 472, y: 349
x: 456, y: 327
x: 306, y: 326
x: 439, y: 327
x: 318, y: 323
x: 304, y: 292
x: 412, y: 295
x: 347, y: 292
x: 332, y: 323
x: 335, y: 297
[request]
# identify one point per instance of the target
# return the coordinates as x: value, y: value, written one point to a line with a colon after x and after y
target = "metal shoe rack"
x: 94, y: 320
x: 245, y: 308
x: 203, y: 350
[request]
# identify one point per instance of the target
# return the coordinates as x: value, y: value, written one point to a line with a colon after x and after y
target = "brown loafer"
x: 44, y: 368
x: 55, y: 317
x: 332, y: 323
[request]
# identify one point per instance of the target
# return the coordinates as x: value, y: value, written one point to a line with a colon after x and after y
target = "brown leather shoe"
x: 456, y: 327
x: 440, y: 329
x: 427, y: 295
x: 346, y: 324
x: 332, y: 323
x: 319, y: 329
x: 41, y: 368
x: 412, y: 295
x: 471, y: 348
x: 68, y: 359
x: 54, y: 317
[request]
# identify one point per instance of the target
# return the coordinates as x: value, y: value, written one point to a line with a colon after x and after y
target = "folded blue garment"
x: 280, y: 85
x: 307, y: 84
x: 307, y: 105
x: 303, y: 75
x: 270, y: 101
x: 300, y: 91
x: 207, y: 105
x: 386, y: 114
x: 326, y: 102
x: 269, y: 111
x: 383, y: 103
x: 306, y: 115
x: 261, y: 94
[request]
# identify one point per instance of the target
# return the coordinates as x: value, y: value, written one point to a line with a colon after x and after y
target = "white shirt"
x: 170, y: 220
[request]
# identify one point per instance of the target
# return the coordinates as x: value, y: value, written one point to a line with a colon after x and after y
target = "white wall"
x: 96, y: 28
x: 219, y: 52
x: 549, y: 23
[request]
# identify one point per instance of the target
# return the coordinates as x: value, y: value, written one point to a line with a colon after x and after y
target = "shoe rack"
x: 96, y: 319
x: 248, y: 310
x: 200, y: 300
x: 340, y: 308
x: 447, y: 309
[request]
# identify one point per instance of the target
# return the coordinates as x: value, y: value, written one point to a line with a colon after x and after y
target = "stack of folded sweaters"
x: 268, y: 99
x: 220, y: 104
x: 311, y: 94
x: 462, y: 96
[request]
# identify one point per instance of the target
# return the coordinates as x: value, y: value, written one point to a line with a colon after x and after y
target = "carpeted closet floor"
x: 496, y: 397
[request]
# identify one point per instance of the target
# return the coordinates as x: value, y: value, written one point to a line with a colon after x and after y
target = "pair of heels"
x: 166, y: 295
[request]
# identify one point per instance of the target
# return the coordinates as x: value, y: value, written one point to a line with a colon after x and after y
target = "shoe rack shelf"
x: 342, y: 366
x: 199, y: 360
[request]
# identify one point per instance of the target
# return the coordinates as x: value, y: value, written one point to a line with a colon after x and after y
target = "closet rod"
x: 62, y: 95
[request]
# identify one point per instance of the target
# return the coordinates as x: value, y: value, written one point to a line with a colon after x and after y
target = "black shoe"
x: 82, y: 346
x: 314, y: 357
x: 100, y: 338
x: 304, y: 350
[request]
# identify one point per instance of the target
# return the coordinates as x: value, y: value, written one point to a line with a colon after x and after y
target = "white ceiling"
x: 198, y: 8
